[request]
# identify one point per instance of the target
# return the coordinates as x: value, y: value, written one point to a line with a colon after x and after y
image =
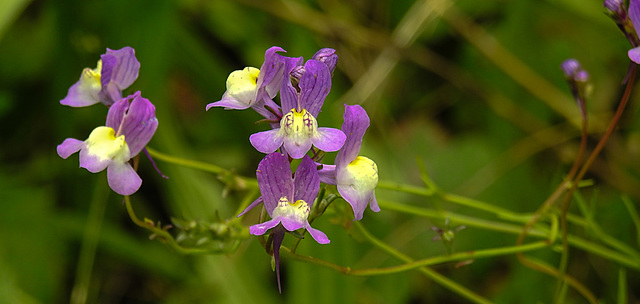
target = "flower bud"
x: 328, y: 56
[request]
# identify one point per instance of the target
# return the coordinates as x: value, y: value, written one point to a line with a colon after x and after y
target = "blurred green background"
x: 473, y: 88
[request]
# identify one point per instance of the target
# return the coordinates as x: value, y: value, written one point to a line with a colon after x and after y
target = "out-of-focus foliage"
x: 498, y: 127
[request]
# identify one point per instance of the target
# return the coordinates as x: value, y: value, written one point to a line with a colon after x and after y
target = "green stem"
x: 537, y: 231
x: 633, y: 213
x: 197, y: 165
x: 430, y: 273
x: 163, y: 235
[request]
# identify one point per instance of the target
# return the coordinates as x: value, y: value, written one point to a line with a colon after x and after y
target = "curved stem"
x: 198, y: 165
x: 165, y: 236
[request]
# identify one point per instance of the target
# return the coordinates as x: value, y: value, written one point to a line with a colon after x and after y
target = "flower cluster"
x: 131, y: 121
x: 628, y: 21
x: 303, y: 87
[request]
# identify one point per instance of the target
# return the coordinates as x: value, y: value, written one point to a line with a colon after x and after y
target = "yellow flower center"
x: 241, y: 84
x: 298, y: 210
x: 91, y: 78
x: 104, y: 144
x: 298, y: 126
x: 361, y: 173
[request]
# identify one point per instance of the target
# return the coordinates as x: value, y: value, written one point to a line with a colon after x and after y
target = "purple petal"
x: 327, y: 174
x: 634, y: 55
x: 251, y: 206
x: 297, y: 147
x: 116, y: 113
x: 314, y: 86
x: 317, y: 235
x: 278, y: 236
x: 228, y: 103
x: 266, y: 141
x: 373, y: 202
x: 288, y: 94
x: 327, y: 56
x: 355, y: 198
x: 274, y: 180
x: 329, y: 139
x: 260, y: 229
x: 306, y: 181
x: 271, y: 71
x: 122, y: 178
x: 356, y: 122
x: 91, y: 162
x: 138, y: 124
x: 119, y: 70
x: 291, y: 224
x: 358, y: 200
x: 634, y: 14
x: 69, y: 146
x: 83, y: 94
x: 261, y: 105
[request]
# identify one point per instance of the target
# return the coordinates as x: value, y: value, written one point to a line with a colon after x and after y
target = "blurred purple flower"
x: 115, y: 72
x: 253, y: 88
x: 298, y: 127
x: 131, y: 122
x: 356, y: 176
x: 287, y: 200
x: 634, y: 15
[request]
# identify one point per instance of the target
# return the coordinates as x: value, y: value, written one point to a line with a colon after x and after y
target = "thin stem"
x: 564, y: 258
x: 198, y: 165
x: 432, y: 274
x: 622, y: 286
x: 612, y: 125
x: 162, y: 234
x: 537, y: 231
x: 633, y: 213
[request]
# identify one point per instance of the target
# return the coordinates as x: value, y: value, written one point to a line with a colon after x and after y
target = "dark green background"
x: 444, y: 101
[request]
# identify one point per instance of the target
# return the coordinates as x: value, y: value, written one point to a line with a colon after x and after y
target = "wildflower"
x: 116, y: 71
x: 298, y: 127
x: 356, y: 176
x: 255, y: 88
x: 287, y: 200
x: 328, y: 56
x: 634, y: 15
x: 131, y: 122
x: 577, y: 78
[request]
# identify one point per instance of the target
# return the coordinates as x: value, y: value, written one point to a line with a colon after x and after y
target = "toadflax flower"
x: 116, y: 71
x: 131, y: 122
x: 356, y: 176
x: 287, y: 200
x: 634, y: 15
x: 298, y: 127
x: 255, y: 88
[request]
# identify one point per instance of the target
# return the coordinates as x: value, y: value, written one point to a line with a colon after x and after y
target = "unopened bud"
x: 328, y: 56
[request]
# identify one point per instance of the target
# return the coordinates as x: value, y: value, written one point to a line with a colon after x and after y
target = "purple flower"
x: 131, y: 122
x: 634, y: 15
x: 573, y: 71
x: 328, y: 56
x: 116, y: 71
x: 287, y: 200
x: 253, y: 88
x: 356, y: 176
x: 298, y: 127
